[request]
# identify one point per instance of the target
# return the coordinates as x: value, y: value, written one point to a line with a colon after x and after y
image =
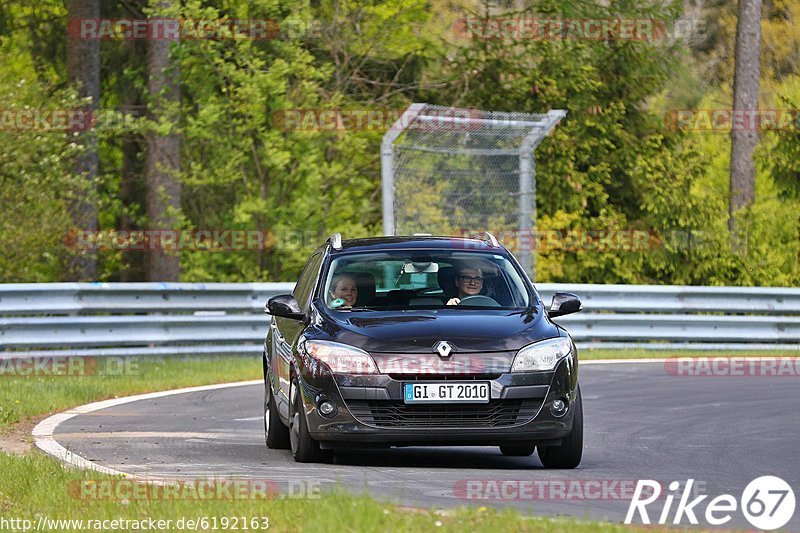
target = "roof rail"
x: 335, y: 241
x: 485, y: 237
x: 489, y: 239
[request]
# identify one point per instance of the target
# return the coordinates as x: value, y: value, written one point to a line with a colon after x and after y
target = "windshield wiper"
x: 359, y: 309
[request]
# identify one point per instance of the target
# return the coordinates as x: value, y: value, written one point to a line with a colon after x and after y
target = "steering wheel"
x: 479, y: 300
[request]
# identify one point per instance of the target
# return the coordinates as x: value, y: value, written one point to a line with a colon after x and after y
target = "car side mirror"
x: 565, y: 303
x: 285, y: 306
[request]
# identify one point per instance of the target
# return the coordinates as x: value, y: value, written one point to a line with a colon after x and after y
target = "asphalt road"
x: 641, y: 423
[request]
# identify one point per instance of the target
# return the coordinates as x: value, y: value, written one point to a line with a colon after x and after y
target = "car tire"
x: 304, y: 448
x: 276, y: 433
x: 517, y: 450
x: 569, y: 453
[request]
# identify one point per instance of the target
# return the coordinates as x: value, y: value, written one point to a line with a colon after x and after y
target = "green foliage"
x: 786, y: 152
x: 36, y: 179
x: 612, y: 164
x: 242, y: 170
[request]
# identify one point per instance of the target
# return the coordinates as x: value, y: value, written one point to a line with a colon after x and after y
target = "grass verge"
x: 27, y: 396
x: 600, y: 354
x: 35, y: 486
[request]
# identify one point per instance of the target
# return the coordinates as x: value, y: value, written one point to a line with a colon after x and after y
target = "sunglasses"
x: 469, y: 279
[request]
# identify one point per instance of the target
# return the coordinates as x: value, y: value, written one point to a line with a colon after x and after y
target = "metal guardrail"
x: 679, y: 298
x: 21, y: 299
x: 227, y: 318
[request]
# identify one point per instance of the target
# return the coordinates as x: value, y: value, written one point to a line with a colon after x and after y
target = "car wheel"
x: 304, y: 448
x: 569, y: 453
x: 277, y: 434
x: 517, y: 450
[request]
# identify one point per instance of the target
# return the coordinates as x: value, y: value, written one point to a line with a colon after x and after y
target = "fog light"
x: 326, y: 408
x: 558, y: 407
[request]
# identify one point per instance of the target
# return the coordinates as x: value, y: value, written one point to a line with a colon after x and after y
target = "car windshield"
x: 412, y: 279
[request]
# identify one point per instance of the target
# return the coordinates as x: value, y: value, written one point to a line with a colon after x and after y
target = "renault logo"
x: 443, y: 348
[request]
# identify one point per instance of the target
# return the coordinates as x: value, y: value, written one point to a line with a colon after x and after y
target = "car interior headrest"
x: 366, y: 287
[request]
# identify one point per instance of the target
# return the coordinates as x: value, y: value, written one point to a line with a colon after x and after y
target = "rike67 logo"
x: 767, y: 502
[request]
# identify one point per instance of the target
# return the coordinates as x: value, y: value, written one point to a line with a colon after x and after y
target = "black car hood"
x: 417, y: 331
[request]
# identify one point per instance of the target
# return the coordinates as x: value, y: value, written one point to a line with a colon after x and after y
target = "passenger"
x: 344, y: 291
x: 469, y: 282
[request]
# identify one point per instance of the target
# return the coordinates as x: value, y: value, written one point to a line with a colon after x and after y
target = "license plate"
x: 449, y: 392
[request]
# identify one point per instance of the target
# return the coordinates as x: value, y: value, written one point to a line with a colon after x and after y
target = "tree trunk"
x: 132, y: 190
x: 745, y: 105
x: 83, y: 73
x: 163, y: 154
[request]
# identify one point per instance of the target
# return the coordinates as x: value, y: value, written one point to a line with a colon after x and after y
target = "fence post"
x: 387, y: 186
x: 387, y: 164
x: 527, y: 208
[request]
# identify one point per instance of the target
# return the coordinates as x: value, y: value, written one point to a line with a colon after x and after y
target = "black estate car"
x: 401, y: 341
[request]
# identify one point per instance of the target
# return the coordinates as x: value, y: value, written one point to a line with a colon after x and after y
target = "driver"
x: 344, y: 291
x: 469, y: 282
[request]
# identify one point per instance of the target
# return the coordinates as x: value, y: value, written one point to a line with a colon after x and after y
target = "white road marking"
x: 144, y: 435
x: 43, y: 432
x: 662, y: 359
x: 619, y: 361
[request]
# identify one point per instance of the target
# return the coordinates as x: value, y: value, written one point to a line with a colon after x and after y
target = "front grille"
x: 396, y: 414
x: 444, y: 377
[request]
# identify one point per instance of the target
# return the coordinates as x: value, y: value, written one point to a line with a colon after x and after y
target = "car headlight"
x: 542, y: 355
x: 341, y: 358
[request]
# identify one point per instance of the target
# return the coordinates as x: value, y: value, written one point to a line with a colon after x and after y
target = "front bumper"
x: 370, y: 409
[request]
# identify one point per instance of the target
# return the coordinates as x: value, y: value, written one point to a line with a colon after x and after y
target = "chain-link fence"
x: 450, y: 171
